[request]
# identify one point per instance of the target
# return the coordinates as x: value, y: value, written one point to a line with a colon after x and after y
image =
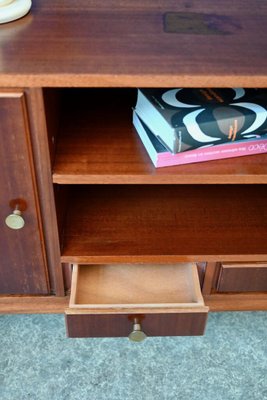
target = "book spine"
x: 220, y: 152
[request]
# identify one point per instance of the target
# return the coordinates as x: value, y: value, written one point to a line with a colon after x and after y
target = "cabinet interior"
x: 146, y: 223
x: 113, y: 206
x: 95, y: 143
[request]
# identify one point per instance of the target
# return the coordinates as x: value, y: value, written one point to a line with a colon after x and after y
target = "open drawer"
x: 133, y: 299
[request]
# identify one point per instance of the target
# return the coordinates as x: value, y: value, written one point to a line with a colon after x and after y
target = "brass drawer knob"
x: 15, y: 220
x: 137, y: 335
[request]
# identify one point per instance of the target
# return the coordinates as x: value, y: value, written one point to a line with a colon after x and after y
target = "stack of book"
x: 181, y: 126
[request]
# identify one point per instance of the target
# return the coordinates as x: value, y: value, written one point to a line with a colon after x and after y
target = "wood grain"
x: 236, y: 302
x: 42, y: 148
x: 182, y: 223
x: 85, y: 43
x: 23, y: 267
x: 98, y: 144
x: 126, y: 286
x: 58, y: 305
x: 201, y: 269
x: 242, y: 278
x: 211, y: 274
x: 33, y: 304
x: 121, y: 325
x: 67, y: 274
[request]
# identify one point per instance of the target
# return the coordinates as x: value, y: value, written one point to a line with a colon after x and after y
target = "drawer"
x: 114, y: 300
x: 242, y: 277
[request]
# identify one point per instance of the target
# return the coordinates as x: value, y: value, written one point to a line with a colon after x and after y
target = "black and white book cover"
x: 185, y: 119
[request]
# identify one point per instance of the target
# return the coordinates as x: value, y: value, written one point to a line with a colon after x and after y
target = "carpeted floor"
x: 37, y: 362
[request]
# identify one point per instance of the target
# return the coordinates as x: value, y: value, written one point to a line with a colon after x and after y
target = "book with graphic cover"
x: 186, y: 119
x: 161, y: 157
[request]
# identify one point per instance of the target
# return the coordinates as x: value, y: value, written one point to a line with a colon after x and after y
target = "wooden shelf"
x: 103, y: 43
x: 182, y: 223
x: 98, y: 144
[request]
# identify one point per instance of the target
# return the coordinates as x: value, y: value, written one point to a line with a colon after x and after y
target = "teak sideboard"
x: 88, y: 226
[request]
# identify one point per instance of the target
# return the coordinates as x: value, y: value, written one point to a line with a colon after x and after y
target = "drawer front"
x: 242, y: 278
x: 121, y: 325
x: 23, y: 263
x: 110, y: 300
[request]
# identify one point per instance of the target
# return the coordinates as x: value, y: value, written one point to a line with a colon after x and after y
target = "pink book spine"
x: 237, y: 149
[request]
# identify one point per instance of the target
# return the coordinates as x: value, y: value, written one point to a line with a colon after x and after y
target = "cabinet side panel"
x: 42, y: 161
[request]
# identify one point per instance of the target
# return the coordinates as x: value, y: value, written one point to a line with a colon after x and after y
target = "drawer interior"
x: 136, y: 285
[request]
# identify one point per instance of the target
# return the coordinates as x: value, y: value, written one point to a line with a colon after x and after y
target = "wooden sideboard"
x: 73, y: 166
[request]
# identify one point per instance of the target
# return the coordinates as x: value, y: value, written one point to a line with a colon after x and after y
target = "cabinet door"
x: 22, y: 258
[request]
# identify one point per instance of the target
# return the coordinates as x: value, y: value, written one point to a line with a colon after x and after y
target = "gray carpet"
x: 38, y: 362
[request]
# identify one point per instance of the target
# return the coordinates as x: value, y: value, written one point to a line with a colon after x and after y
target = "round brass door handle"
x: 15, y: 220
x: 137, y: 335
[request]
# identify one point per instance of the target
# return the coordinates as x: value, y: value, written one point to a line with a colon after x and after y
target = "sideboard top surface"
x: 136, y: 43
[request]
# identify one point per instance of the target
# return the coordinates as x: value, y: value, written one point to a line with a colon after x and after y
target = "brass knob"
x: 137, y: 335
x: 15, y: 220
